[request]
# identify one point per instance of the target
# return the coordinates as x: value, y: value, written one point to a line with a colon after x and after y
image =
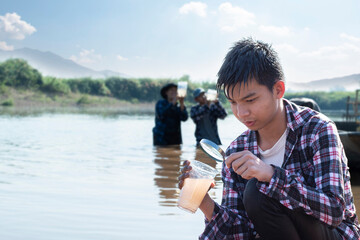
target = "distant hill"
x: 346, y: 83
x: 50, y: 64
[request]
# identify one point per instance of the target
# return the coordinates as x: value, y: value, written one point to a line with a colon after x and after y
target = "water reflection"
x: 203, y: 157
x: 168, y: 163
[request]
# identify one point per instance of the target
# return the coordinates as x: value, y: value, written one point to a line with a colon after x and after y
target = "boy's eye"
x: 250, y: 100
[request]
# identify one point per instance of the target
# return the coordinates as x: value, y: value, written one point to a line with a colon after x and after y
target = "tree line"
x: 18, y: 74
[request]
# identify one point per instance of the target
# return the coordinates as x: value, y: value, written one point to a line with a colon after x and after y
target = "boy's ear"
x: 279, y: 89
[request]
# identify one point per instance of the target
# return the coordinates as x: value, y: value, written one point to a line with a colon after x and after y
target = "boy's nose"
x: 242, y: 111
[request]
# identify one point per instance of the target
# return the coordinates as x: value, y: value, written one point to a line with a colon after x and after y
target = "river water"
x: 80, y: 176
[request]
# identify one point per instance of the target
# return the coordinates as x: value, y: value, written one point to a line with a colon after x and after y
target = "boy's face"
x: 171, y: 93
x: 201, y: 99
x: 255, y: 105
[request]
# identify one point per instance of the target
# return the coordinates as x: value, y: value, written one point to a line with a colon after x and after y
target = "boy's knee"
x: 252, y: 197
x: 256, y: 203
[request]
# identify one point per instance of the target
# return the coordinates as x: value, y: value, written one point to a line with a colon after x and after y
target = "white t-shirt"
x: 275, y: 155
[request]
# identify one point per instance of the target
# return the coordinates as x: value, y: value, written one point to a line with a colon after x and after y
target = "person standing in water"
x: 168, y: 117
x: 205, y: 115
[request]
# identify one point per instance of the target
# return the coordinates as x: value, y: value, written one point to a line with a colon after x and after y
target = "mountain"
x: 345, y: 83
x: 51, y: 64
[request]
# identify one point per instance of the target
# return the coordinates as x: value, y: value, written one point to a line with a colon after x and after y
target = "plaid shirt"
x: 168, y: 119
x: 215, y: 111
x: 314, y: 177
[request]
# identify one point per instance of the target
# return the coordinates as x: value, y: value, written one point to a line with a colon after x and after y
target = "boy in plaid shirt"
x: 286, y: 177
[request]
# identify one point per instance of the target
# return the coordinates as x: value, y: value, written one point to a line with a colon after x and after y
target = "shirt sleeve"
x: 217, y: 110
x: 229, y: 220
x: 162, y: 108
x: 183, y: 114
x: 324, y: 199
x: 197, y: 112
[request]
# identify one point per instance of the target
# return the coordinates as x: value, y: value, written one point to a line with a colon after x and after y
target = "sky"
x: 172, y: 38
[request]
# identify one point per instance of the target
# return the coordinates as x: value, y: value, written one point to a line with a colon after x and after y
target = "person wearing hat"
x: 205, y: 115
x: 168, y: 117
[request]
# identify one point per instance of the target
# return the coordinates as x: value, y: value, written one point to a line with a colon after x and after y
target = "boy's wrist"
x: 207, y: 206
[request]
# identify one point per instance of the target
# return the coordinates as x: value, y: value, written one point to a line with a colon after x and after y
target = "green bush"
x: 3, y: 89
x: 88, y: 86
x: 2, y: 75
x: 122, y: 88
x: 83, y: 100
x: 19, y: 74
x: 98, y: 87
x: 55, y: 86
x: 134, y: 100
x: 8, y: 103
x: 325, y: 100
x: 80, y: 85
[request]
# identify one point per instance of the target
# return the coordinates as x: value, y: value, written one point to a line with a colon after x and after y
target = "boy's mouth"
x: 249, y: 123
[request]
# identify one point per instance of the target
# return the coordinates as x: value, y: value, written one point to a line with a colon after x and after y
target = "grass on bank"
x: 30, y: 101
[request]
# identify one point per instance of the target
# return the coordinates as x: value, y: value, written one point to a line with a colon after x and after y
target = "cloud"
x: 12, y: 27
x: 5, y: 47
x: 324, y: 62
x: 349, y: 37
x: 233, y: 18
x: 86, y: 57
x: 286, y: 48
x: 339, y: 52
x: 280, y: 31
x: 121, y: 58
x: 197, y: 8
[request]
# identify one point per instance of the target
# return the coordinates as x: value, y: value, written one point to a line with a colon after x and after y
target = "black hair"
x: 249, y: 59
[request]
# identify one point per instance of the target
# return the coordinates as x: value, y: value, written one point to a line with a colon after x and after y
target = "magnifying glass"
x: 212, y: 149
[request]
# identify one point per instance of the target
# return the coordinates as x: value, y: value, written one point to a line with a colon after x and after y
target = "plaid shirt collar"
x: 296, y: 118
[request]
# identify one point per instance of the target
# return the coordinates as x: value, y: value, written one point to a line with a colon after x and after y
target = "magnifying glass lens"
x: 212, y: 149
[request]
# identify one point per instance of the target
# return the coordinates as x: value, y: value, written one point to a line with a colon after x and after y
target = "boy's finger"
x: 181, y: 183
x: 186, y: 162
x: 234, y: 156
x: 186, y: 169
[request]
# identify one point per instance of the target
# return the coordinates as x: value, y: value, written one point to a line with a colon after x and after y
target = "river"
x: 81, y: 176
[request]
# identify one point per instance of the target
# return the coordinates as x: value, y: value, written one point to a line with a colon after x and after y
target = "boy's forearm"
x: 207, y: 207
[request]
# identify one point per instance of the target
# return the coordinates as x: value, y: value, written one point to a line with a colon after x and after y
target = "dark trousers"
x: 274, y: 221
x: 167, y: 139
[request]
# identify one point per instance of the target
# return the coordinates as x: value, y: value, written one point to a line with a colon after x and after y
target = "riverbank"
x: 24, y: 102
x: 31, y: 102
